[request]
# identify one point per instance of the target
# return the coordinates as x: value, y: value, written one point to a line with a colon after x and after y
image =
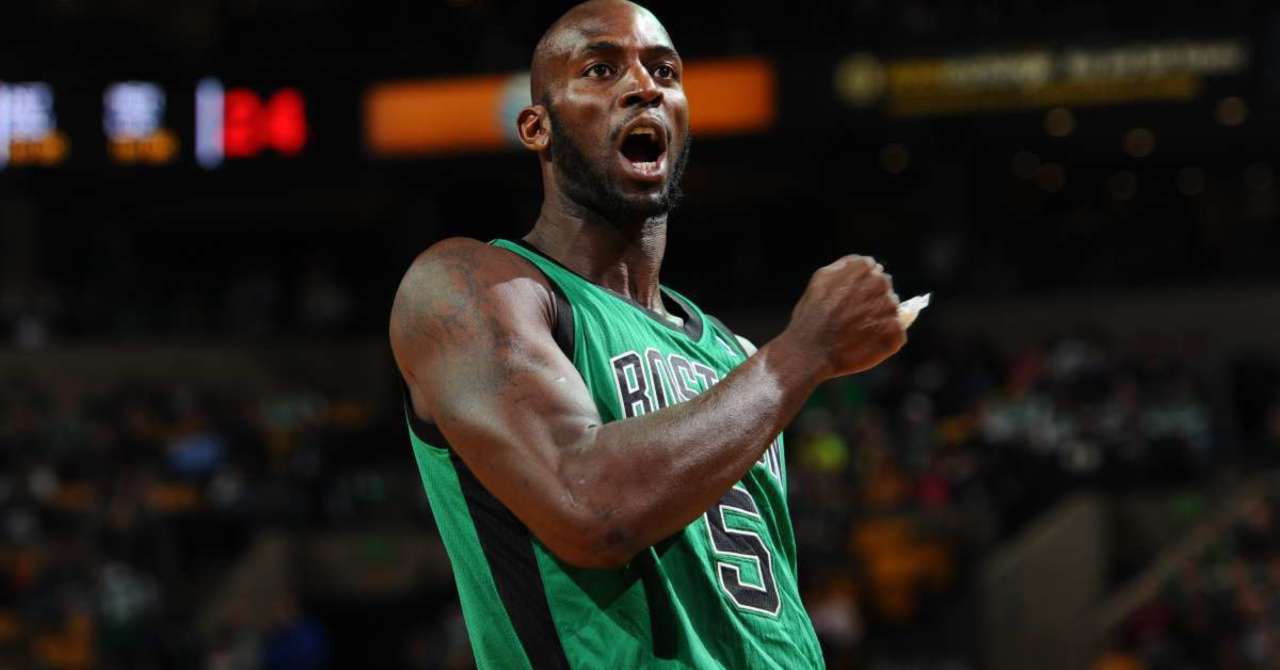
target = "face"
x: 588, y: 182
x: 619, y: 117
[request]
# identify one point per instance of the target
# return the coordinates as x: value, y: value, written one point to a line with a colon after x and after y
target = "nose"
x: 642, y: 90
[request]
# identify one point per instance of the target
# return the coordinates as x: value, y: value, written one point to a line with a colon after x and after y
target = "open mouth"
x: 643, y: 149
x: 642, y: 146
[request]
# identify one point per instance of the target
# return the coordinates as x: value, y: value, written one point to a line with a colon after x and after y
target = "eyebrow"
x: 603, y: 46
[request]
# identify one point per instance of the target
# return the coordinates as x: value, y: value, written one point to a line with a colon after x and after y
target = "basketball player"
x: 602, y: 457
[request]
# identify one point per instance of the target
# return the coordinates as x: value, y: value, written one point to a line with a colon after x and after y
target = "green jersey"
x: 720, y: 594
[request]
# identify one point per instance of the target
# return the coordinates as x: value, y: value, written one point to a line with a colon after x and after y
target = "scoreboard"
x: 209, y: 123
x: 241, y: 122
x: 234, y: 121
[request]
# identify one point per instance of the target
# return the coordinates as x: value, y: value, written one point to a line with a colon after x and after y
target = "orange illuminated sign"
x: 478, y: 113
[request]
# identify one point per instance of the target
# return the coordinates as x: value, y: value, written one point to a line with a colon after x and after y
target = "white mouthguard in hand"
x: 909, y: 310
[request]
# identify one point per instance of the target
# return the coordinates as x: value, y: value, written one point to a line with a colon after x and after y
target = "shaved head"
x: 581, y: 22
x: 608, y: 114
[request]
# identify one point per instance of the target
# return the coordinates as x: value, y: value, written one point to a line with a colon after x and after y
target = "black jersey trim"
x: 562, y: 329
x: 692, y: 326
x: 424, y: 431
x: 508, y: 549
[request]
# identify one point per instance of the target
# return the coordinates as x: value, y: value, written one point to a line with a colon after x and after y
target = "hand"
x: 848, y: 317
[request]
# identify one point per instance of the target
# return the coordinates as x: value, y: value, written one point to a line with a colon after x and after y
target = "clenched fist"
x: 848, y: 317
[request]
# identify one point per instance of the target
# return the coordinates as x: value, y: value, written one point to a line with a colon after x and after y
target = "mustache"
x: 616, y: 132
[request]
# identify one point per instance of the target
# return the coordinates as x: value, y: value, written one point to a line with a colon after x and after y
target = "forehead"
x: 626, y: 27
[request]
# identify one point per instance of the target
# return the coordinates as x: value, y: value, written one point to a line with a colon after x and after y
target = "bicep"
x: 517, y: 407
x: 479, y: 354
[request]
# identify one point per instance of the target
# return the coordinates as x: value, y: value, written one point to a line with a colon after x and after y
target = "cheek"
x: 586, y: 113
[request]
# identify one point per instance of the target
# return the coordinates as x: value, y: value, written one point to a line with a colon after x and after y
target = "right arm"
x: 471, y: 332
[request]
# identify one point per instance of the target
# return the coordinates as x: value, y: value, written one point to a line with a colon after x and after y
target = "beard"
x: 587, y: 183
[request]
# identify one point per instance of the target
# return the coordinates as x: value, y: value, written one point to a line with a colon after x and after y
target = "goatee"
x: 587, y: 183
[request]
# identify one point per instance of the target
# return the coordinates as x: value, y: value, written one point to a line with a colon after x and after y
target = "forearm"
x: 647, y: 477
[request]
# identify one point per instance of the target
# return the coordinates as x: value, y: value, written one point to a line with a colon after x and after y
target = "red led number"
x: 252, y: 126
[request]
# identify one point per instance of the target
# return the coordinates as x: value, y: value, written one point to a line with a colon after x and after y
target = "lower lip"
x: 647, y: 172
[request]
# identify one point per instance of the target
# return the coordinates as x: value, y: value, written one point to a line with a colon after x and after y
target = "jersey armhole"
x: 733, y: 337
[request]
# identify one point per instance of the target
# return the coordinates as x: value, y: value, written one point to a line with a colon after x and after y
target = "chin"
x: 649, y: 204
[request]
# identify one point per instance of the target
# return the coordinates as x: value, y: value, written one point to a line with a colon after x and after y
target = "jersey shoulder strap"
x: 562, y: 329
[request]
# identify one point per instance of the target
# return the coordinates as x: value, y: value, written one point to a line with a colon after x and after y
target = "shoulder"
x: 460, y: 279
x: 464, y: 258
x: 747, y: 345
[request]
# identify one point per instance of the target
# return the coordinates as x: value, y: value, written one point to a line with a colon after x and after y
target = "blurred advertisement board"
x: 1030, y: 78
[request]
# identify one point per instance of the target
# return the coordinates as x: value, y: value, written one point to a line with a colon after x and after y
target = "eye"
x: 664, y: 71
x: 599, y: 70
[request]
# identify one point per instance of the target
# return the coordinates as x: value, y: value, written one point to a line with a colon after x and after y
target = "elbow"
x: 586, y: 558
x: 595, y: 545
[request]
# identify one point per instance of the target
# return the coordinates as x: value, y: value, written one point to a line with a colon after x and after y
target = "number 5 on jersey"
x: 736, y: 549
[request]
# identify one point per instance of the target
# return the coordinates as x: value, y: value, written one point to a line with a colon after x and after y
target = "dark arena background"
x: 206, y: 207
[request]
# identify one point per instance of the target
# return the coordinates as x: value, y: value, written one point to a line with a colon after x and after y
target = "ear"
x: 533, y: 126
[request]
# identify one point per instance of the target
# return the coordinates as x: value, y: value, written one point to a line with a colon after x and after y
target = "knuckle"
x: 846, y: 260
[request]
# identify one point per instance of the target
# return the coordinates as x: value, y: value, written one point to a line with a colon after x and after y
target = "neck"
x: 623, y: 256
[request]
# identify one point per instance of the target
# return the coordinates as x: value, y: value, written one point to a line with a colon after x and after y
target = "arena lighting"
x: 1059, y: 122
x: 895, y: 158
x: 1139, y: 142
x: 1051, y: 177
x: 240, y: 123
x: 1025, y: 164
x: 29, y: 131
x: 1231, y: 111
x: 418, y: 117
x: 1123, y: 185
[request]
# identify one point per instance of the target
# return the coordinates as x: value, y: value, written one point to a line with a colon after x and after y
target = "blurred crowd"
x: 902, y: 477
x: 1220, y: 610
x: 316, y: 299
x: 121, y: 511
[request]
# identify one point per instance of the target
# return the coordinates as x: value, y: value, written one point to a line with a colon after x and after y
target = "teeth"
x: 645, y: 131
